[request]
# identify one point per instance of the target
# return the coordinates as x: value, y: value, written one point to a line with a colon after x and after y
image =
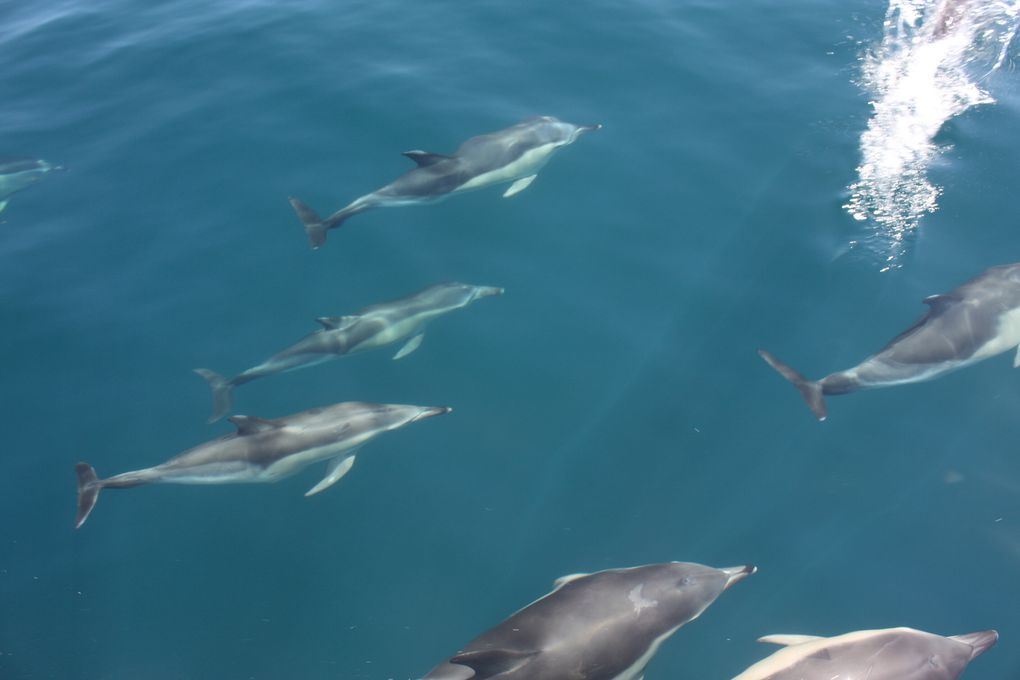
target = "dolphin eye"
x: 933, y: 661
x: 686, y: 581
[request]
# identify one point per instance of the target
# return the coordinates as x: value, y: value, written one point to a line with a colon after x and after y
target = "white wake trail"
x: 931, y: 65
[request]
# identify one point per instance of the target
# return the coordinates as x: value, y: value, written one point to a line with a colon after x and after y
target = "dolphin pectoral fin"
x: 519, y: 186
x: 338, y: 467
x: 252, y: 425
x: 489, y: 662
x: 3, y: 204
x: 1016, y: 359
x: 411, y: 345
x: 788, y: 640
x: 425, y: 158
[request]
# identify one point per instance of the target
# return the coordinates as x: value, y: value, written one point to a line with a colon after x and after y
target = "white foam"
x: 931, y: 65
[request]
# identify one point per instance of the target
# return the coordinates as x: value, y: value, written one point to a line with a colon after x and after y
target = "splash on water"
x: 932, y: 64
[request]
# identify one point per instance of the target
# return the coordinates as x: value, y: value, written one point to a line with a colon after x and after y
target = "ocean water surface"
x: 609, y: 410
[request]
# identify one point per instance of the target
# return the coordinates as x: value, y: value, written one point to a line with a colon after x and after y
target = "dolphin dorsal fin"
x: 788, y: 640
x: 425, y: 158
x: 332, y: 323
x: 251, y: 424
x: 489, y: 662
x: 939, y: 303
x: 564, y: 580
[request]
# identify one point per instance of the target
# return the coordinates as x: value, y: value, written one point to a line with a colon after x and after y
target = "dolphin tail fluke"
x: 315, y: 227
x: 811, y: 391
x: 222, y: 393
x: 88, y: 492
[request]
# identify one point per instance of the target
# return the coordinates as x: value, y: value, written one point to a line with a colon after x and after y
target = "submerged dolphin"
x: 18, y: 174
x: 515, y: 154
x: 890, y: 654
x: 602, y: 626
x: 978, y: 320
x: 372, y: 327
x: 267, y: 450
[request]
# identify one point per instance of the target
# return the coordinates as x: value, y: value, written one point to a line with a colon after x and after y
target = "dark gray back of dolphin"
x: 438, y: 175
x: 592, y: 627
x: 960, y: 322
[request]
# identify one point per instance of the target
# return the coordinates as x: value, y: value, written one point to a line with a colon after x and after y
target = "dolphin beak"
x: 980, y: 641
x: 581, y: 129
x: 736, y: 574
x: 430, y: 411
x: 487, y: 291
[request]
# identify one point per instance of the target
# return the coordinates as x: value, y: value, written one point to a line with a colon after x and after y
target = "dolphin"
x: 372, y: 327
x: 267, y: 450
x: 515, y: 154
x: 890, y: 654
x: 947, y: 16
x: 602, y: 626
x: 17, y: 174
x: 975, y: 321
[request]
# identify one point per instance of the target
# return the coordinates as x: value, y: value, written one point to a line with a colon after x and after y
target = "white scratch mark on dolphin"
x: 640, y: 603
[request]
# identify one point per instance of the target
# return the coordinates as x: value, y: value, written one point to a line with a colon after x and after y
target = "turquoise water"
x: 610, y: 409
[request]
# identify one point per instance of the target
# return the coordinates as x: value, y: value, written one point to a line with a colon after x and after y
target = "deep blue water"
x: 610, y: 409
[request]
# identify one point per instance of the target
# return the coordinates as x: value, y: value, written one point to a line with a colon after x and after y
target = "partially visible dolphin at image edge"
x: 602, y: 626
x: 16, y: 175
x: 267, y: 450
x: 514, y: 154
x: 974, y: 321
x: 888, y: 654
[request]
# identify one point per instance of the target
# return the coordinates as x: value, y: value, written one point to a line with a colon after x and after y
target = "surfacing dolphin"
x: 267, y: 450
x: 602, y: 626
x: 975, y: 321
x: 949, y: 15
x: 372, y: 327
x: 890, y: 654
x: 17, y: 174
x: 515, y: 154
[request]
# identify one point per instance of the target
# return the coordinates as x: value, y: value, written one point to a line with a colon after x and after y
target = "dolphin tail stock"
x: 315, y: 226
x: 89, y: 487
x: 810, y: 390
x: 222, y: 393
